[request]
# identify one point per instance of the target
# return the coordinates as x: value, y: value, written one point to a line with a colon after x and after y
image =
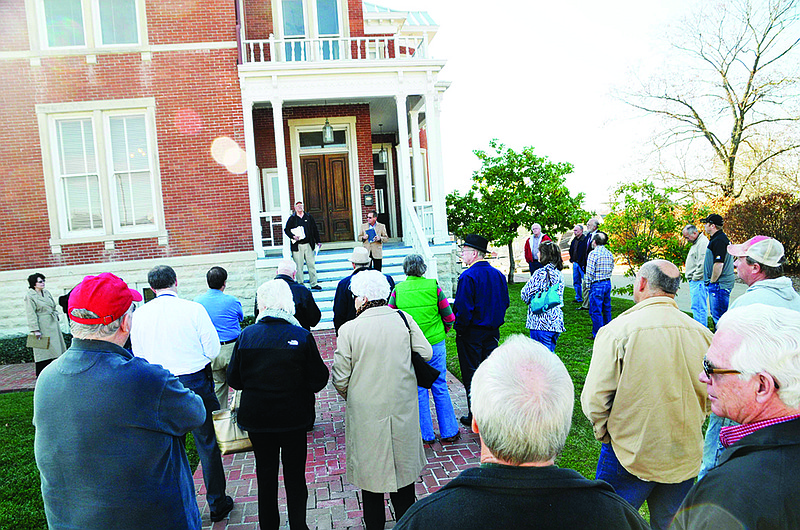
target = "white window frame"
x: 311, y: 25
x: 92, y: 30
x: 99, y: 112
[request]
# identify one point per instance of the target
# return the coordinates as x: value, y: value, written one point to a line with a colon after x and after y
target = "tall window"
x: 311, y: 28
x: 116, y: 22
x: 103, y: 172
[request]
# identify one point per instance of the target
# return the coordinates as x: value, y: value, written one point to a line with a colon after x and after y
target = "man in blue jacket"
x: 110, y: 426
x: 480, y: 309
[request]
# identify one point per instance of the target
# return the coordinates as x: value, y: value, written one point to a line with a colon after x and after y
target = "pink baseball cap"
x: 105, y: 295
x: 762, y: 249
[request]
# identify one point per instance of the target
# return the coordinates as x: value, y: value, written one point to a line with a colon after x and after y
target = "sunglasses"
x: 709, y: 369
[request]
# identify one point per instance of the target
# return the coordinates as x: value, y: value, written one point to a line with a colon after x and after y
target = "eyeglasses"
x: 709, y: 369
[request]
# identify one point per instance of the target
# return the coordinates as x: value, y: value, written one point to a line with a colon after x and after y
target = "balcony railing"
x: 333, y: 49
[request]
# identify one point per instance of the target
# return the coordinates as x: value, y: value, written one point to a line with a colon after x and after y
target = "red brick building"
x: 141, y: 131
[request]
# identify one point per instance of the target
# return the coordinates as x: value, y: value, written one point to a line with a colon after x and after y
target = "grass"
x: 21, y: 505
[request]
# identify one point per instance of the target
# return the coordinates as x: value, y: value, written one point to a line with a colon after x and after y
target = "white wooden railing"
x: 414, y: 236
x: 333, y: 49
x: 424, y: 211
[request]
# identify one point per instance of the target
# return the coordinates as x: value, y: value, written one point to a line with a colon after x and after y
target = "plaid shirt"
x: 732, y: 434
x: 600, y: 264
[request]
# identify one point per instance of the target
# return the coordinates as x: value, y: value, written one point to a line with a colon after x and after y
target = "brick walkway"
x: 332, y: 501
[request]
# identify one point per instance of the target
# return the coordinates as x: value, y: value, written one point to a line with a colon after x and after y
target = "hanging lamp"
x: 327, y: 133
x: 383, y: 156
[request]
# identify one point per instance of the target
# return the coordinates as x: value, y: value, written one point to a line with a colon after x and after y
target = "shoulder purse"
x: 426, y: 374
x: 230, y: 437
x: 546, y: 299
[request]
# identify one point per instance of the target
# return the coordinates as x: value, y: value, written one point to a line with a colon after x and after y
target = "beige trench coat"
x: 372, y: 370
x: 42, y: 313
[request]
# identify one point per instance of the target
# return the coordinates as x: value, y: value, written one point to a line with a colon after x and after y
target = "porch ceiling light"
x: 383, y: 157
x: 327, y: 133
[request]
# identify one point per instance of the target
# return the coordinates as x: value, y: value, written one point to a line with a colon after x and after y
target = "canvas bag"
x: 230, y: 437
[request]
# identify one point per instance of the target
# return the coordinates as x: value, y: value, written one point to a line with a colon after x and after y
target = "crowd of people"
x: 132, y: 385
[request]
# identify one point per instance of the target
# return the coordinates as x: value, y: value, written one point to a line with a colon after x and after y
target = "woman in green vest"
x: 423, y: 299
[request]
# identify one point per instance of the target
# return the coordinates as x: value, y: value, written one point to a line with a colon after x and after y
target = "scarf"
x: 279, y: 313
x: 370, y: 304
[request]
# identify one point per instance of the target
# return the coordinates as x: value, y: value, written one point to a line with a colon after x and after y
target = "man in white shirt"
x: 179, y: 335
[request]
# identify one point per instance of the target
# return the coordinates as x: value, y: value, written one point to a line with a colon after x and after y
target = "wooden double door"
x: 326, y: 195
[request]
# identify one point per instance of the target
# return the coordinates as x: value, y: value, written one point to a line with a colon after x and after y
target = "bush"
x: 774, y: 215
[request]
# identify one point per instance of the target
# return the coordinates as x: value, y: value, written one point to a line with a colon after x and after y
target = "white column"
x: 403, y: 162
x: 253, y: 180
x: 283, y: 172
x: 416, y: 154
x: 436, y: 167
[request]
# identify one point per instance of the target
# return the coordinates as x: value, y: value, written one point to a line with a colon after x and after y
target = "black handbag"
x: 426, y: 374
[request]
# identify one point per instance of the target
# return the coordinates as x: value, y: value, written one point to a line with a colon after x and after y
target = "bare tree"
x: 736, y: 91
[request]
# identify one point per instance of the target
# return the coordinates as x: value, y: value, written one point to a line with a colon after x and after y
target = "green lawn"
x: 20, y: 498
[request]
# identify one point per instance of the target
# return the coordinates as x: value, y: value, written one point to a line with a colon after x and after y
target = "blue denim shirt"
x: 481, y: 297
x: 108, y: 441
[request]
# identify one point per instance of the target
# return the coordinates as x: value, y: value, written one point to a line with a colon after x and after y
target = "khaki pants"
x: 305, y: 253
x: 219, y: 371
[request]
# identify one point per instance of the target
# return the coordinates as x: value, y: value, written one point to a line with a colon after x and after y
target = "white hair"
x: 522, y: 400
x: 275, y: 294
x: 287, y: 267
x: 370, y: 284
x: 94, y: 331
x: 770, y: 343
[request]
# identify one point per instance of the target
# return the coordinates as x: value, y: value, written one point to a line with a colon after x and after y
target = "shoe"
x: 583, y: 309
x: 429, y: 442
x: 450, y: 439
x: 317, y: 288
x: 466, y: 421
x: 223, y: 513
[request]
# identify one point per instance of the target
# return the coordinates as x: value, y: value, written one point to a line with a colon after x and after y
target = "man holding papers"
x: 372, y: 234
x: 302, y: 231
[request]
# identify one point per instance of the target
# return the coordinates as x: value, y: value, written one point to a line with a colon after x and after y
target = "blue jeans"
x: 206, y: 441
x: 548, y: 338
x: 600, y: 305
x: 712, y: 447
x: 577, y: 279
x: 718, y: 299
x: 445, y: 414
x: 699, y: 293
x: 663, y: 500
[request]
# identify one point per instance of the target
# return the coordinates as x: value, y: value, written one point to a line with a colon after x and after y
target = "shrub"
x: 774, y: 215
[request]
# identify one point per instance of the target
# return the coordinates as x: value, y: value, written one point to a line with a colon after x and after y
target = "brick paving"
x: 333, y: 503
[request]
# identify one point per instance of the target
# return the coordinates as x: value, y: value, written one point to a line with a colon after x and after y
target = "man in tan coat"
x: 372, y: 235
x: 694, y: 272
x: 643, y: 398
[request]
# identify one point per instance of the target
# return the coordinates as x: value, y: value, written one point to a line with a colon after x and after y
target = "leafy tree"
x: 774, y: 215
x: 513, y: 189
x: 645, y: 223
x: 735, y: 94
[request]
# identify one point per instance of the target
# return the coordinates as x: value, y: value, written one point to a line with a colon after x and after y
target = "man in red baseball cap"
x: 110, y: 426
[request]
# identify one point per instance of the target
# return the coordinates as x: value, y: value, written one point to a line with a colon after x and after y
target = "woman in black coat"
x: 278, y: 368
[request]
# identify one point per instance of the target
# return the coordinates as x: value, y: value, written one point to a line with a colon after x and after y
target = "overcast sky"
x: 544, y: 74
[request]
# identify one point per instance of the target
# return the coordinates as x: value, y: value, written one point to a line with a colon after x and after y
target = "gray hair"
x: 657, y: 279
x: 579, y: 226
x: 414, y: 265
x: 287, y: 267
x: 770, y: 343
x: 689, y: 229
x: 522, y: 400
x: 370, y: 284
x: 94, y: 331
x: 275, y: 294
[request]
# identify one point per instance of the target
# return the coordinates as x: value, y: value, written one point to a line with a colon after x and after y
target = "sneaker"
x: 466, y: 421
x: 450, y: 439
x: 429, y: 442
x: 317, y: 288
x: 223, y: 513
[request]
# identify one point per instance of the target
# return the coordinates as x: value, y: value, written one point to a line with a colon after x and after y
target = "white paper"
x: 299, y: 232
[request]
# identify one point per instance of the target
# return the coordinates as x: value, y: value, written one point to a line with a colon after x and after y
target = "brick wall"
x: 206, y: 208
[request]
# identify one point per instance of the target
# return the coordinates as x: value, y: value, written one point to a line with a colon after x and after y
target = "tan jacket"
x: 42, y: 313
x: 696, y: 258
x: 642, y: 393
x: 372, y: 369
x: 376, y: 247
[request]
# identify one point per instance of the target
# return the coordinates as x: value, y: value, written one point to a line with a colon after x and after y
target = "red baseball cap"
x: 105, y: 295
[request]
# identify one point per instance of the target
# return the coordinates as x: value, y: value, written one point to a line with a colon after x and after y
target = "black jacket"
x: 577, y: 251
x: 510, y: 497
x: 307, y: 222
x: 344, y: 303
x: 306, y: 310
x: 755, y: 486
x: 278, y: 368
